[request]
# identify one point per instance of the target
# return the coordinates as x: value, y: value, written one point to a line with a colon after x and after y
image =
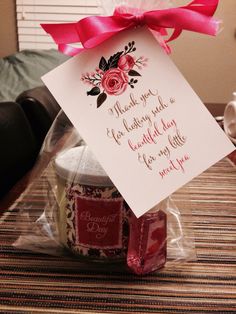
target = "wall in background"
x: 209, y: 63
x: 8, y: 36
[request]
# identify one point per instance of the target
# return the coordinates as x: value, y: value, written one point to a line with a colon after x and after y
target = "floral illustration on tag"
x: 114, y: 76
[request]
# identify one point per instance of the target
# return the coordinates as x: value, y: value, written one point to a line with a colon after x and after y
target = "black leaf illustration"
x: 113, y: 60
x: 101, y: 98
x: 133, y: 73
x: 103, y: 64
x: 94, y: 91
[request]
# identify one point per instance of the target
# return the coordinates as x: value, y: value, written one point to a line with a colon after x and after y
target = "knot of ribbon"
x: 139, y: 19
x: 93, y: 30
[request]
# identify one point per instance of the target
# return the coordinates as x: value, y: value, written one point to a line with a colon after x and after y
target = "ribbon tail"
x: 69, y: 50
x: 182, y: 18
x: 174, y: 35
x: 206, y: 7
x: 159, y: 38
x: 62, y: 33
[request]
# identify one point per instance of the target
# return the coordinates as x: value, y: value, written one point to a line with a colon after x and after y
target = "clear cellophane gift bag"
x: 81, y: 212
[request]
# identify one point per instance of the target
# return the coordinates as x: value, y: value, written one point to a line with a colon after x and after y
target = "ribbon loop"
x: 93, y: 30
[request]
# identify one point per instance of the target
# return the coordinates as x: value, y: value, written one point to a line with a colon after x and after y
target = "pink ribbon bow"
x: 93, y: 30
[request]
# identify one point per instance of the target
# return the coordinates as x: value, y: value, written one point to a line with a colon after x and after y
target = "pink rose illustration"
x: 126, y: 62
x: 114, y: 81
x: 114, y: 74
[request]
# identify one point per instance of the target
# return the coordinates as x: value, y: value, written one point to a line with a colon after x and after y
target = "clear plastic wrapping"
x: 80, y: 212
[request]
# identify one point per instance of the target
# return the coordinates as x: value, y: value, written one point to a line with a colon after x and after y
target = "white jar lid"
x: 79, y: 165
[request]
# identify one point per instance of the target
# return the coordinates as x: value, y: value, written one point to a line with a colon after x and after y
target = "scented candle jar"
x: 94, y: 221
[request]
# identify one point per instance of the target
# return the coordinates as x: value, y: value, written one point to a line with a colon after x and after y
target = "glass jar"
x: 93, y: 218
x: 94, y: 221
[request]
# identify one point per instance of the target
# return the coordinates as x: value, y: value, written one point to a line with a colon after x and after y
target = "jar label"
x: 99, y: 222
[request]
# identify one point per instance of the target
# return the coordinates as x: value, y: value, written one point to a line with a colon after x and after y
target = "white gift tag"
x: 147, y: 127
